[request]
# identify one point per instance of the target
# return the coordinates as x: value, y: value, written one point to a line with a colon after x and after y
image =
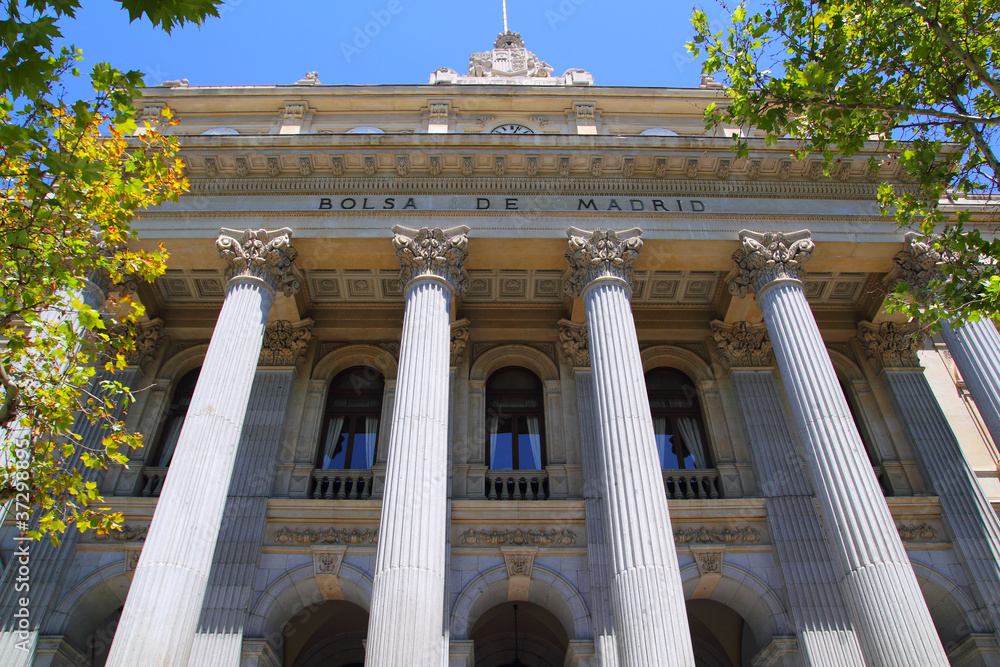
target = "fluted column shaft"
x: 816, y: 605
x: 975, y: 347
x: 164, y: 602
x: 889, y: 613
x: 605, y: 646
x: 408, y: 593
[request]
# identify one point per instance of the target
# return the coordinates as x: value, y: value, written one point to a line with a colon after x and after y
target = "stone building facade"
x: 513, y: 367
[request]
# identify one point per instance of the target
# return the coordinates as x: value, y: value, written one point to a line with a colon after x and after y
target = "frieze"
x: 288, y: 535
x: 498, y: 536
x: 921, y: 531
x: 703, y: 535
x: 126, y: 534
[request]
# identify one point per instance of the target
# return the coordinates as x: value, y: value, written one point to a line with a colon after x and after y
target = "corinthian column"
x: 888, y: 611
x: 650, y: 620
x: 816, y: 605
x: 407, y: 612
x: 161, y: 612
x: 975, y: 346
x: 973, y: 525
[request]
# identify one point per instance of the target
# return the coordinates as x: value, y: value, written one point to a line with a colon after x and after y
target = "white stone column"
x: 161, y: 612
x: 971, y: 522
x: 975, y: 346
x: 407, y: 611
x: 650, y: 619
x: 890, y: 617
x: 816, y: 605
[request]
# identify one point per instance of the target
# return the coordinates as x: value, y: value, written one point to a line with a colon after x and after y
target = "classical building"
x: 512, y: 368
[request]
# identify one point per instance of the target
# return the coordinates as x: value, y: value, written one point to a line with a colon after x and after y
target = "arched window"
x: 350, y: 424
x: 680, y: 435
x: 176, y: 413
x: 514, y: 419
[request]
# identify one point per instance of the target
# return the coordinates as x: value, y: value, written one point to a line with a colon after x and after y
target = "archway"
x: 541, y: 640
x: 720, y: 636
x: 327, y: 634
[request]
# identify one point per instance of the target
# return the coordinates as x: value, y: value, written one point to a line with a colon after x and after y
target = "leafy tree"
x: 912, y: 80
x: 75, y: 174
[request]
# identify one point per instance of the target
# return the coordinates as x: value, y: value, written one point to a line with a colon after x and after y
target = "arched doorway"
x: 541, y: 640
x: 327, y: 634
x: 719, y: 635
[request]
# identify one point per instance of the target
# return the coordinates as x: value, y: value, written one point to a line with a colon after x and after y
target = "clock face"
x: 512, y: 128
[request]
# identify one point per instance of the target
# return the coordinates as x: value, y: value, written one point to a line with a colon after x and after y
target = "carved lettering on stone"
x: 769, y: 256
x: 439, y: 252
x: 285, y: 343
x: 325, y: 536
x: 599, y: 254
x: 265, y: 255
x: 892, y: 345
x: 459, y: 340
x: 708, y: 535
x: 742, y: 344
x: 575, y: 344
x: 498, y: 536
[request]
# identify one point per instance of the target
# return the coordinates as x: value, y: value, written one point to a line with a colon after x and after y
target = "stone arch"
x: 355, y: 355
x: 548, y: 589
x: 80, y: 614
x: 954, y: 613
x: 524, y: 356
x: 179, y: 364
x: 296, y: 591
x: 751, y: 598
x: 680, y: 358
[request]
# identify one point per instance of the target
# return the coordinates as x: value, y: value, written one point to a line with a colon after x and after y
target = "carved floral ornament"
x: 285, y: 343
x: 518, y: 536
x: 437, y: 252
x: 575, y: 343
x: 918, y: 263
x: 766, y: 257
x: 892, y: 345
x: 262, y: 254
x: 288, y: 535
x: 708, y: 535
x: 743, y: 345
x: 600, y: 254
x: 459, y: 340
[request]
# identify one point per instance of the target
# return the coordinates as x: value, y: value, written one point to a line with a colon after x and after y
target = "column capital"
x: 765, y: 257
x: 890, y: 345
x: 432, y: 252
x: 285, y: 343
x: 459, y: 340
x: 575, y: 343
x: 262, y: 254
x: 743, y: 345
x: 917, y: 264
x: 600, y: 254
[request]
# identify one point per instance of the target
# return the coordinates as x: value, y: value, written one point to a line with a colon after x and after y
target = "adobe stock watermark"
x: 22, y: 581
x: 565, y: 9
x: 363, y: 35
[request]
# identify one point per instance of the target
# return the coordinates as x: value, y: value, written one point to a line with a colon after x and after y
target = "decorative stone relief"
x: 284, y: 343
x: 439, y: 252
x: 753, y: 170
x: 439, y: 110
x: 661, y: 168
x: 593, y: 255
x: 305, y: 166
x: 541, y: 120
x: 722, y: 172
x: 575, y: 344
x: 585, y: 112
x: 564, y: 166
x: 785, y: 170
x: 288, y: 535
x: 468, y: 165
x: 691, y: 170
x: 328, y: 561
x: 434, y: 165
x: 918, y: 262
x: 497, y: 536
x: 459, y: 340
x: 531, y: 165
x: 596, y: 165
x: 922, y: 531
x: 273, y: 166
x: 262, y: 254
x: 499, y: 165
x: 519, y: 561
x: 742, y: 344
x: 892, y: 345
x: 815, y: 170
x: 708, y: 562
x: 148, y: 338
x: 628, y: 167
x: 370, y: 165
x: 844, y: 170
x: 708, y: 535
x: 126, y: 534
x: 294, y: 111
x: 402, y: 165
x: 337, y: 165
x: 242, y: 169
x: 211, y: 167
x: 131, y: 559
x: 769, y: 256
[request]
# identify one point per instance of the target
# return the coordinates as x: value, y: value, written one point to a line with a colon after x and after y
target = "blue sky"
x: 623, y: 42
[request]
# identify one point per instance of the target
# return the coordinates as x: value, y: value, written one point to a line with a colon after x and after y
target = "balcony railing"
x: 341, y: 484
x: 691, y: 484
x: 517, y: 485
x: 153, y: 481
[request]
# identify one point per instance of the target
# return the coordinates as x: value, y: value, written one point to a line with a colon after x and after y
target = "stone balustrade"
x: 341, y: 484
x: 153, y: 481
x: 517, y: 485
x: 691, y: 484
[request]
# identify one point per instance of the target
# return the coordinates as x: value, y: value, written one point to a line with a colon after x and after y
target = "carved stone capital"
x: 600, y: 254
x: 769, y: 256
x: 149, y: 337
x: 262, y: 254
x: 436, y: 252
x: 918, y: 263
x: 459, y: 340
x: 285, y: 343
x: 892, y: 345
x: 575, y: 342
x: 742, y: 344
